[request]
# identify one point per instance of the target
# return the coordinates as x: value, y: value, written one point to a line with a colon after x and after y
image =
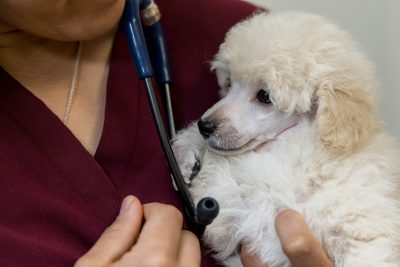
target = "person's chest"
x: 56, y: 198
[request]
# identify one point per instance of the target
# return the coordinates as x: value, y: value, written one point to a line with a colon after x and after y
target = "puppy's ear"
x: 345, y: 117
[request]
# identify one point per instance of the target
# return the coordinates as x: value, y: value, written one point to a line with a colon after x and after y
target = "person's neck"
x: 45, y: 67
x: 37, y: 63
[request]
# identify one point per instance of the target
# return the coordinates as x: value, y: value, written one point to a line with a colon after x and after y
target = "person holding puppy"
x: 77, y: 137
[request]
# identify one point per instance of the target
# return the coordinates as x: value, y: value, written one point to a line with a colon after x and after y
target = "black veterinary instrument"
x: 146, y: 12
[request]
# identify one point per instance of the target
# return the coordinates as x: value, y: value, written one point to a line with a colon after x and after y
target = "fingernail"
x: 126, y: 203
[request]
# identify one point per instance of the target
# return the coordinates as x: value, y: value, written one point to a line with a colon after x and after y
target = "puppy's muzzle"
x: 207, y: 127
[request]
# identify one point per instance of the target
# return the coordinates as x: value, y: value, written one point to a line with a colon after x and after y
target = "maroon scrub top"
x: 55, y: 198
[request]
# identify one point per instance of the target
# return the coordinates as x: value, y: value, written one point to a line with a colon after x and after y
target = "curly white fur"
x: 318, y: 147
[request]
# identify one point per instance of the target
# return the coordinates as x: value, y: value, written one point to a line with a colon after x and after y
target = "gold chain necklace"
x: 74, y: 84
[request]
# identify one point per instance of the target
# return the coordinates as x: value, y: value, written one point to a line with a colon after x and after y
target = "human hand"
x: 298, y: 243
x: 160, y: 241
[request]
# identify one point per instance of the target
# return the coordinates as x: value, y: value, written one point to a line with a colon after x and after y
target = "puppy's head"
x: 273, y: 69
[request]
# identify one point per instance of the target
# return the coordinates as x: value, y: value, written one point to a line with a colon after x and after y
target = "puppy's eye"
x: 263, y: 96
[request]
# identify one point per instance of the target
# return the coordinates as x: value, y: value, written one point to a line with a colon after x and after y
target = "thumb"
x: 119, y: 236
x: 298, y: 242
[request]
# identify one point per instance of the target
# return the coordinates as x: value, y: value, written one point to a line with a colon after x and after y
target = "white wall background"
x: 375, y: 24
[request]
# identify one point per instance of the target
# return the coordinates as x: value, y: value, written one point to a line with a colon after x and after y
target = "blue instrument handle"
x: 136, y: 40
x: 160, y: 58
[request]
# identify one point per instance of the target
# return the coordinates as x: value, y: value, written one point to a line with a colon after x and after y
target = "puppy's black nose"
x: 206, y: 127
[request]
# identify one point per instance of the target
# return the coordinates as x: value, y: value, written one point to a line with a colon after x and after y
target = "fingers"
x: 159, y: 240
x: 298, y: 242
x: 189, y: 250
x: 248, y: 259
x: 118, y: 237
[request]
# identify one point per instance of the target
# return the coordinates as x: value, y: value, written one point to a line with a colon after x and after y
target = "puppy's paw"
x: 188, y: 161
x: 188, y: 145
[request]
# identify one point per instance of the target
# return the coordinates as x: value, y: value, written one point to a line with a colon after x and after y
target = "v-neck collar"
x: 61, y: 148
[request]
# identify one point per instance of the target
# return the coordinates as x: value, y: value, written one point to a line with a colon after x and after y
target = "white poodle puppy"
x: 296, y: 128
